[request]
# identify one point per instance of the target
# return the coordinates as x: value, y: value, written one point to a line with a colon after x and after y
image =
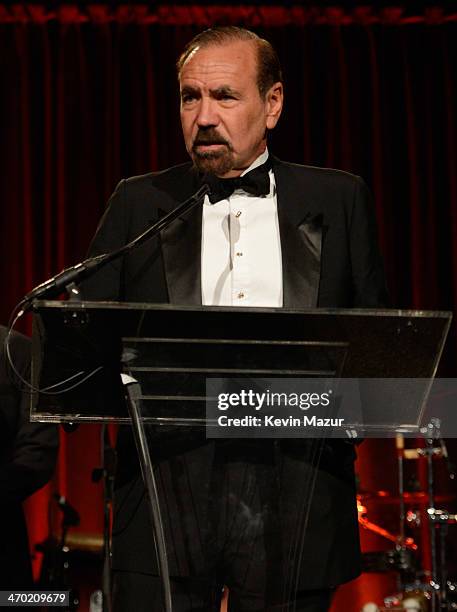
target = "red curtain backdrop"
x: 89, y: 96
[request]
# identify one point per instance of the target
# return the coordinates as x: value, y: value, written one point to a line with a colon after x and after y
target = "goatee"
x: 217, y: 162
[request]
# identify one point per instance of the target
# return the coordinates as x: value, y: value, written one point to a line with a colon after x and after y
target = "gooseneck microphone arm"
x: 74, y: 274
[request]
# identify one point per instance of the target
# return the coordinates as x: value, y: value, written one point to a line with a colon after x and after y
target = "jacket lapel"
x: 301, y: 242
x: 181, y: 245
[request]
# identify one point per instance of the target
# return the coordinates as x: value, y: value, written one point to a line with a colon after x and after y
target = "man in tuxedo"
x: 28, y: 453
x: 271, y: 234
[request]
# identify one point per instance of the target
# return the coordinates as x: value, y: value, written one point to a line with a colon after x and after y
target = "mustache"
x: 209, y: 136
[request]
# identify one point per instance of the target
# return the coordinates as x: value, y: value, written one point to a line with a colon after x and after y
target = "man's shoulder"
x: 165, y: 189
x: 325, y: 189
x: 316, y: 174
x: 159, y: 179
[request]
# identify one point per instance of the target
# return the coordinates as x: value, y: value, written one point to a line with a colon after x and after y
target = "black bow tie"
x: 256, y: 182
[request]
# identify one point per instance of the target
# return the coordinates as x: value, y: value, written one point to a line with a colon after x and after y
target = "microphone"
x: 74, y: 274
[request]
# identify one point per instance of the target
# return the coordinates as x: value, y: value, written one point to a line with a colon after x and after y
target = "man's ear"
x: 274, y: 100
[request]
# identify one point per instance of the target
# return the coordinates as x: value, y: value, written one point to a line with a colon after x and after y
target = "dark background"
x: 88, y: 95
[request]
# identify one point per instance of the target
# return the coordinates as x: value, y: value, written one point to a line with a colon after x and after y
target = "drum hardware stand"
x: 401, y: 546
x: 437, y: 518
x: 56, y: 561
x: 438, y: 587
x: 438, y: 582
x: 106, y: 474
x: 400, y: 444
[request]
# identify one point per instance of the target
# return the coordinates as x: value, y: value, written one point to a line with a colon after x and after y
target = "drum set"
x: 422, y: 586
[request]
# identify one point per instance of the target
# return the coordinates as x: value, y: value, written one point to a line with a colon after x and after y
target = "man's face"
x: 224, y: 118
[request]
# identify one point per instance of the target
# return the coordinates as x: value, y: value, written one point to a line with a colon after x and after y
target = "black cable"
x: 45, y: 390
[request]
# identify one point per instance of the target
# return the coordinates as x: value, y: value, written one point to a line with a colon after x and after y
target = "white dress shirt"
x: 241, y: 261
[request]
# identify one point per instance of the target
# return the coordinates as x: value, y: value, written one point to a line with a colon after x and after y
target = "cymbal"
x: 410, y: 497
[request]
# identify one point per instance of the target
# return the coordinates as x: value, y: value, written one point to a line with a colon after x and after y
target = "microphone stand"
x: 68, y: 279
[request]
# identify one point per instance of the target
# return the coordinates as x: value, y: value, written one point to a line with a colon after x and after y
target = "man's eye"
x: 186, y: 98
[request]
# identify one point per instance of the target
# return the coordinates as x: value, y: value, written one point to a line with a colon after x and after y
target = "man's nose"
x: 207, y: 113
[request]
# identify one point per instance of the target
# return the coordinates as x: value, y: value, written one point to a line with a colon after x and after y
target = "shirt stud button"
x: 238, y: 214
x: 240, y: 295
x: 239, y: 254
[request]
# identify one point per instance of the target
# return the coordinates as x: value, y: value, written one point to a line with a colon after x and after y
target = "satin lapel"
x: 301, y: 242
x: 181, y: 247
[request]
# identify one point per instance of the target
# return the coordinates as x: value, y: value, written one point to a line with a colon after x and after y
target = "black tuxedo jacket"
x: 28, y: 453
x: 328, y: 238
x: 330, y: 258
